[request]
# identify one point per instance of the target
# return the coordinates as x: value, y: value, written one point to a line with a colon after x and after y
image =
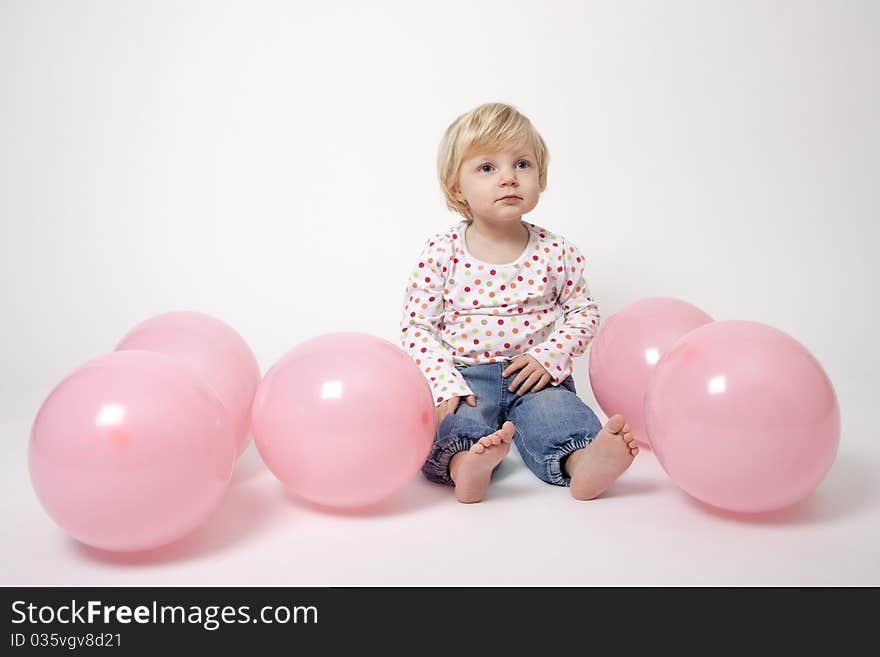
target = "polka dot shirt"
x: 459, y: 310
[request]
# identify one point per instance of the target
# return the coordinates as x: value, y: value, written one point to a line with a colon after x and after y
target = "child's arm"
x: 581, y: 319
x: 422, y: 317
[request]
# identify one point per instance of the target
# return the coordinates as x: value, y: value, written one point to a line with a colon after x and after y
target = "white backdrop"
x: 273, y: 164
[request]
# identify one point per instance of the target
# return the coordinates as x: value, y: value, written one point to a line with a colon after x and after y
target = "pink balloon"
x: 344, y: 419
x: 743, y: 417
x: 211, y: 349
x: 628, y: 346
x: 131, y: 451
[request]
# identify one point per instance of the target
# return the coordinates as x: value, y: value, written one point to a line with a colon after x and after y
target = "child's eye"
x: 486, y: 167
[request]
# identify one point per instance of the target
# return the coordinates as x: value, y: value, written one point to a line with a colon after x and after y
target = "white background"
x: 273, y: 165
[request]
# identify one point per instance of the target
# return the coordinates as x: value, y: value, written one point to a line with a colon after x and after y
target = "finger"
x: 516, y: 364
x: 471, y: 400
x: 443, y: 408
x: 532, y: 380
x: 452, y: 404
x: 522, y: 376
x: 545, y: 379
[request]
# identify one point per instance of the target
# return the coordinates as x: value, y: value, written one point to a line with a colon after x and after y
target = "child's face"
x: 488, y: 180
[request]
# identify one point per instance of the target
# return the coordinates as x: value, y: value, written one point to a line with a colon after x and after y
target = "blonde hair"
x: 489, y: 127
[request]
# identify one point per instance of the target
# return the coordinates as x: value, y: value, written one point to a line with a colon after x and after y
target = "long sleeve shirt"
x: 459, y: 310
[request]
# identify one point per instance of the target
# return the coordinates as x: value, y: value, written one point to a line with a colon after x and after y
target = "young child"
x: 479, y: 321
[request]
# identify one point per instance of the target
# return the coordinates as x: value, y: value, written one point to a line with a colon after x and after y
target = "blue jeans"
x: 550, y: 424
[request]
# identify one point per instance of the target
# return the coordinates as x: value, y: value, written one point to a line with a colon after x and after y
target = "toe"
x: 478, y: 448
x: 615, y: 424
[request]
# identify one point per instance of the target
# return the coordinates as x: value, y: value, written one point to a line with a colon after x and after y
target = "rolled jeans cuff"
x: 555, y: 473
x: 436, y: 467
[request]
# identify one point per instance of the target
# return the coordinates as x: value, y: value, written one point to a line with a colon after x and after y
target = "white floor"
x: 645, y: 531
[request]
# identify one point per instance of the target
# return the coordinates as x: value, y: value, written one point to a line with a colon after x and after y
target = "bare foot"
x: 471, y: 470
x: 595, y: 467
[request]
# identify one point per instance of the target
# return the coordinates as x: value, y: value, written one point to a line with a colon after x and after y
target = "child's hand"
x: 531, y: 374
x: 448, y: 407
